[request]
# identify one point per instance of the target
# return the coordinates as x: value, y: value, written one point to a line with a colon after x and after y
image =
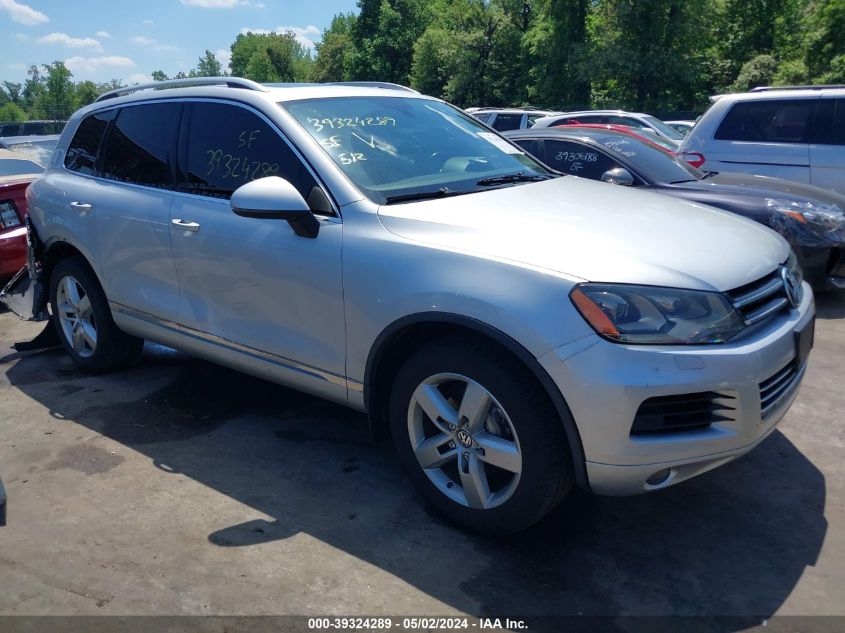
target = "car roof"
x: 763, y: 95
x: 619, y: 112
x: 567, y: 132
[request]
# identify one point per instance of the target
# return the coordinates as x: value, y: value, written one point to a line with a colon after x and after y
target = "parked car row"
x: 514, y: 330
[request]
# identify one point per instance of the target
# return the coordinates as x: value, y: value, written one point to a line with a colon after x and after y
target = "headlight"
x: 656, y: 316
x: 829, y: 216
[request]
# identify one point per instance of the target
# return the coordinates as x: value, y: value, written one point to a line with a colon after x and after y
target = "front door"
x: 251, y: 284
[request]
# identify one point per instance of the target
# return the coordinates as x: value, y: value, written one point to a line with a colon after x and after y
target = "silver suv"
x: 514, y: 330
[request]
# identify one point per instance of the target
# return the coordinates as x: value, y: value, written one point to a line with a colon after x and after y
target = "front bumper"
x: 605, y: 383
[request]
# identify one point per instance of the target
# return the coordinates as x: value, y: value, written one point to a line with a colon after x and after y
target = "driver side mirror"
x: 274, y: 198
x: 618, y: 176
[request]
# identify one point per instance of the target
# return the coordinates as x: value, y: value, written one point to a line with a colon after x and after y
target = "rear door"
x: 768, y: 137
x: 827, y: 149
x: 131, y: 205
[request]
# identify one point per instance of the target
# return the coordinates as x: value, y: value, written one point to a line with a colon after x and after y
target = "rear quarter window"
x: 768, y: 121
x: 81, y: 156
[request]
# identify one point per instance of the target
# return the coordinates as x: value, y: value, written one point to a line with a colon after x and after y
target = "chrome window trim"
x: 272, y: 124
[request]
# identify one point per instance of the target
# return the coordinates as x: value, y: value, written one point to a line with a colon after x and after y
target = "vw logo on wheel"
x: 464, y: 438
x: 791, y: 286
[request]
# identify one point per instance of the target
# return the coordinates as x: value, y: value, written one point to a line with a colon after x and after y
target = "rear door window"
x: 768, y: 121
x: 141, y: 148
x: 506, y: 122
x: 228, y: 146
x: 579, y: 160
x: 829, y: 123
x: 81, y: 156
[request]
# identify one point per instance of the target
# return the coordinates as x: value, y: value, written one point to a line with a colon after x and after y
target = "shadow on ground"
x: 732, y: 542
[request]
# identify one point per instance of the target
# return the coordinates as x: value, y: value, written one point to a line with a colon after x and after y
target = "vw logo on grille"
x: 464, y: 438
x: 791, y: 286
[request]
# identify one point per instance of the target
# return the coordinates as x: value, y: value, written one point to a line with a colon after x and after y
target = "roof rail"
x: 231, y: 82
x: 373, y: 84
x: 816, y: 87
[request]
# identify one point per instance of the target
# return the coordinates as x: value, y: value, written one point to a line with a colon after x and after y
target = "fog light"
x: 659, y: 477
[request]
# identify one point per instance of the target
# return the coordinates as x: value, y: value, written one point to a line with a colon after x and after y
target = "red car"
x: 646, y: 137
x: 16, y: 173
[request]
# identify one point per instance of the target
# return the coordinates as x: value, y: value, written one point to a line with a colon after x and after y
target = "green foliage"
x: 334, y: 52
x: 759, y: 71
x: 11, y: 112
x: 270, y: 57
x: 653, y: 55
x: 208, y: 66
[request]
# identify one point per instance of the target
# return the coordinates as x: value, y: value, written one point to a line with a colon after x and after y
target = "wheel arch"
x: 404, y: 335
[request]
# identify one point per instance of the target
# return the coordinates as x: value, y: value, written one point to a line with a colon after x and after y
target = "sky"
x: 104, y: 39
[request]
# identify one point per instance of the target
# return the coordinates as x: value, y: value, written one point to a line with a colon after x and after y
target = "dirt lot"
x: 180, y: 487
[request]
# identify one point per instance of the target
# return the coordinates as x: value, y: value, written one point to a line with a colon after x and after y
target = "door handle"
x: 185, y: 225
x: 83, y: 207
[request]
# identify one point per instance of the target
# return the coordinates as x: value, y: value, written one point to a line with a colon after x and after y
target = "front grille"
x: 684, y: 412
x: 774, y: 390
x: 760, y: 299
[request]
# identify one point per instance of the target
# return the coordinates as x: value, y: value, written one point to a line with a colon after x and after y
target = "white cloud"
x: 148, y: 22
x: 71, y: 42
x: 23, y: 13
x: 305, y: 36
x: 92, y: 65
x: 138, y: 78
x: 153, y: 44
x: 224, y: 56
x: 21, y: 36
x: 16, y: 66
x: 103, y: 34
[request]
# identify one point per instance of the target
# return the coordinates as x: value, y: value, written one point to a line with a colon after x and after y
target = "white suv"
x: 515, y: 330
x: 796, y: 134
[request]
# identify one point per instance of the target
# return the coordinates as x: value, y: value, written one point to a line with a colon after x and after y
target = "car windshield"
x: 400, y: 148
x: 656, y: 165
x: 38, y: 150
x: 666, y: 130
x: 19, y: 167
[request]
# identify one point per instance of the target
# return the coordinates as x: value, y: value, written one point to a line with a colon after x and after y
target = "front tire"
x: 83, y: 321
x: 479, y: 437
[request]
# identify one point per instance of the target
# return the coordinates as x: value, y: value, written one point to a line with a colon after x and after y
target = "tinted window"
x: 484, y: 118
x: 141, y: 147
x: 829, y: 124
x: 8, y: 216
x: 767, y: 121
x: 228, y: 146
x: 505, y: 122
x: 651, y: 162
x: 528, y: 145
x: 82, y: 154
x: 577, y: 159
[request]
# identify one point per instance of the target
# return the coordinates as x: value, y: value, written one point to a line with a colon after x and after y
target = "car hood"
x: 597, y: 232
x: 763, y: 187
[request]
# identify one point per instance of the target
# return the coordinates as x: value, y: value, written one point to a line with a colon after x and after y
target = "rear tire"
x: 495, y: 448
x: 83, y: 320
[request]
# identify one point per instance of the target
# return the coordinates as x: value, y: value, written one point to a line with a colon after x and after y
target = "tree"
x: 270, y: 57
x: 57, y: 99
x: 384, y: 36
x: 825, y: 49
x: 759, y: 71
x: 33, y: 87
x: 13, y: 92
x: 86, y: 92
x: 333, y: 53
x: 158, y: 75
x: 11, y: 112
x: 208, y: 66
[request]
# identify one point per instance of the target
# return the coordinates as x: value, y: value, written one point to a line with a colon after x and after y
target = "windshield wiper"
x: 443, y: 192
x: 520, y: 176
